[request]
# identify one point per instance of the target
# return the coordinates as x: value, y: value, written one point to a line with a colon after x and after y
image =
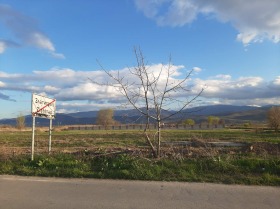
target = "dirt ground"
x: 188, y: 149
x: 194, y: 150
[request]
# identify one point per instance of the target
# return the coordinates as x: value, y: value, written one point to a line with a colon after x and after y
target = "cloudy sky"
x: 50, y: 47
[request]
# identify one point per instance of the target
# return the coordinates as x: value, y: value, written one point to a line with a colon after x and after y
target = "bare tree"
x: 151, y: 92
x: 273, y: 118
x: 20, y: 121
x: 105, y: 117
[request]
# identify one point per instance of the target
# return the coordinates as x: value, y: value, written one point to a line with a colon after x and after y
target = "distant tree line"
x: 105, y: 118
x: 211, y: 120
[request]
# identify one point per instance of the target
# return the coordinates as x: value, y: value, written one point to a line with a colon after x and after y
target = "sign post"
x: 33, y: 137
x: 43, y: 107
x: 50, y: 136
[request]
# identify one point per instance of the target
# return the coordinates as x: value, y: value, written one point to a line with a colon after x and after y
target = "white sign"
x: 43, y: 106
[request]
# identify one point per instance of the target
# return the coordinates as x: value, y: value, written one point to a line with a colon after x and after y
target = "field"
x: 251, y: 158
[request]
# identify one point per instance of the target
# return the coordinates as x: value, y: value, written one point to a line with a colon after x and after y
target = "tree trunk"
x: 158, y: 139
x: 154, y: 151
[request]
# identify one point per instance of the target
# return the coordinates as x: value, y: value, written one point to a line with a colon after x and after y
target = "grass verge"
x: 249, y: 170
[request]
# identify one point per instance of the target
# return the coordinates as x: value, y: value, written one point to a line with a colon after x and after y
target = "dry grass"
x: 9, y: 128
x: 12, y: 128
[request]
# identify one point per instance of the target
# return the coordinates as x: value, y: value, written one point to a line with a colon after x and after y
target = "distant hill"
x: 230, y: 113
x: 61, y: 119
x: 254, y: 115
x: 218, y: 110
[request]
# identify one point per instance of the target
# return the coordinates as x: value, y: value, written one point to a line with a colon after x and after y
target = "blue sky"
x: 50, y: 47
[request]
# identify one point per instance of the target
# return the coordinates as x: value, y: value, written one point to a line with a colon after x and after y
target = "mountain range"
x: 229, y: 113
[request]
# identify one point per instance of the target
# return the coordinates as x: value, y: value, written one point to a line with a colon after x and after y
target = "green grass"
x: 239, y: 135
x: 238, y: 170
x: 84, y: 138
x: 256, y: 169
x: 74, y: 138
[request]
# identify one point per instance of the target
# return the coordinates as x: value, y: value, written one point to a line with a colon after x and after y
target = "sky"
x: 57, y: 48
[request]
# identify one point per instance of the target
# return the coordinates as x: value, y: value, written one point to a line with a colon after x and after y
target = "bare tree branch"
x: 145, y: 88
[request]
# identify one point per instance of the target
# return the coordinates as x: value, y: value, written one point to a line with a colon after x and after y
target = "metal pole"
x: 50, y: 136
x: 33, y: 137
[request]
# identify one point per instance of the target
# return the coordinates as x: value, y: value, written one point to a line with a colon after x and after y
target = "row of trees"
x: 211, y: 120
x: 105, y: 118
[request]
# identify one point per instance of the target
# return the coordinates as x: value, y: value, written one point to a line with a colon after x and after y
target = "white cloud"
x: 223, y: 77
x: 4, y: 75
x: 70, y: 87
x: 67, y: 84
x: 52, y: 89
x: 197, y: 69
x: 40, y: 41
x: 181, y: 12
x: 87, y: 91
x: 276, y: 82
x: 57, y: 55
x: 25, y: 29
x: 166, y: 12
x: 241, y: 89
x: 255, y: 20
x: 150, y: 8
x: 2, y: 84
x: 3, y: 47
x: 70, y: 107
x: 4, y: 44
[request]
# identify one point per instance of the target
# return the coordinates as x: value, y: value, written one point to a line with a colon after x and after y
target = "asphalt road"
x: 48, y: 193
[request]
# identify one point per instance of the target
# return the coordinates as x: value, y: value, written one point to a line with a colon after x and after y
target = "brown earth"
x: 195, y: 150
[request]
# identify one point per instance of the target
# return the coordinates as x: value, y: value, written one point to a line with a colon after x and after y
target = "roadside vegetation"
x: 123, y: 154
x: 251, y: 170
